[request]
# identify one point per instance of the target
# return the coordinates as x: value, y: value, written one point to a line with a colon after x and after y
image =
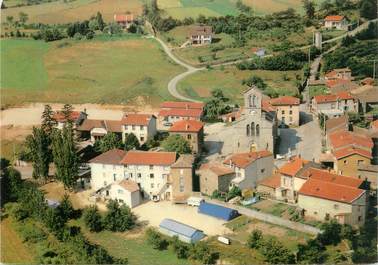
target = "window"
x: 333, y: 105
x: 253, y: 129
x: 181, y: 171
x: 126, y: 127
x: 290, y: 112
x: 105, y: 183
x: 359, y: 218
x: 125, y: 175
x: 291, y: 119
x: 164, y: 176
x: 131, y: 175
x: 151, y: 167
x: 283, y: 112
x: 189, y: 136
x: 360, y: 162
x: 114, y: 177
x: 262, y: 170
x: 151, y: 175
x: 257, y: 130
x: 133, y: 127
x: 315, y: 213
x: 139, y: 175
x: 181, y: 181
x: 120, y: 191
x: 152, y: 185
x: 141, y: 127
x: 120, y: 200
x: 141, y: 138
x: 345, y: 161
x: 336, y: 206
x: 247, y: 130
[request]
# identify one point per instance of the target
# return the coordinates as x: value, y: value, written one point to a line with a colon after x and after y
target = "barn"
x: 217, y: 211
x: 184, y: 232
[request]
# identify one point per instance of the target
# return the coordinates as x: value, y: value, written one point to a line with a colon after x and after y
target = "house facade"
x: 172, y: 111
x: 339, y: 73
x: 201, y: 35
x: 76, y: 118
x: 143, y: 126
x: 334, y: 105
x: 336, y: 22
x: 215, y: 176
x: 125, y: 192
x: 250, y: 168
x: 181, y: 178
x: 192, y: 131
x: 97, y: 129
x: 287, y: 109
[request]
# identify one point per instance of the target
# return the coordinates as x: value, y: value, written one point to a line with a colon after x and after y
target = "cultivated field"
x: 61, y: 12
x: 106, y: 70
x: 199, y: 85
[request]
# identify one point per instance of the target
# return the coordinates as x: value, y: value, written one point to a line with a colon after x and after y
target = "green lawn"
x: 105, y: 70
x: 200, y: 84
x: 318, y: 90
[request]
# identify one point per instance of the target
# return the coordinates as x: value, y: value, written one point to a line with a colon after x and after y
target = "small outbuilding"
x: 184, y: 232
x: 217, y: 211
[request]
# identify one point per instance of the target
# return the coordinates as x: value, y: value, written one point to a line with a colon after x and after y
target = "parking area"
x: 155, y: 212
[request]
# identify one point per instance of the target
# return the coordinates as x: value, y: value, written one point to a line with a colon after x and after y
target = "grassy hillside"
x: 61, y: 12
x: 230, y: 79
x: 100, y: 71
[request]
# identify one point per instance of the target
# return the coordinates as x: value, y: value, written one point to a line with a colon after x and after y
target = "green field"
x: 105, y: 70
x: 199, y: 85
x: 64, y: 12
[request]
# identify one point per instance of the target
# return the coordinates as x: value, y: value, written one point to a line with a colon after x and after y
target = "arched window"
x: 253, y: 129
x: 254, y: 101
x: 247, y: 129
x: 250, y: 99
x: 257, y: 130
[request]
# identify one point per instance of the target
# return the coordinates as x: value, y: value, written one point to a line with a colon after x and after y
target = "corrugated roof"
x: 217, y: 211
x: 178, y: 227
x: 340, y: 139
x: 149, y: 158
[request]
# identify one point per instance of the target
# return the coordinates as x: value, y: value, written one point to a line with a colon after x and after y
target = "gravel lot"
x: 155, y: 212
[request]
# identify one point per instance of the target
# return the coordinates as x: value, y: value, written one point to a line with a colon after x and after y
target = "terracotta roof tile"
x: 108, y: 125
x: 129, y: 185
x: 266, y: 106
x: 59, y: 116
x: 201, y: 30
x: 344, y: 95
x: 292, y: 167
x: 339, y: 123
x: 196, y: 113
x: 340, y: 139
x: 123, y: 17
x: 325, y: 98
x: 330, y: 191
x: 242, y: 160
x: 273, y: 181
x: 285, y: 100
x: 149, y: 158
x: 347, y: 151
x: 186, y: 126
x: 324, y: 175
x: 112, y: 157
x: 182, y: 105
x: 136, y: 119
x: 334, y: 18
x: 216, y: 168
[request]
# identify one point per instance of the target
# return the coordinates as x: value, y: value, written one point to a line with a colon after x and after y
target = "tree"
x: 155, y: 239
x: 311, y: 253
x: 233, y: 192
x: 255, y: 239
x: 93, y: 219
x: 65, y: 156
x: 48, y: 121
x: 276, y: 253
x: 108, y: 142
x: 10, y: 182
x: 181, y: 249
x: 38, y: 148
x: 53, y: 220
x: 201, y: 251
x: 131, y: 142
x: 216, y: 106
x: 65, y: 208
x: 309, y: 7
x: 118, y: 218
x: 67, y: 113
x: 176, y: 143
x: 23, y: 17
x: 100, y: 22
x: 113, y: 28
x: 255, y: 81
x: 9, y: 20
x: 347, y: 41
x: 368, y: 9
x: 331, y: 233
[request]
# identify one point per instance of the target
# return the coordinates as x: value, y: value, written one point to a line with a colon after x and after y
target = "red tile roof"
x: 136, y: 119
x: 319, y: 99
x: 196, y: 113
x: 108, y: 125
x: 273, y: 181
x: 59, y: 116
x: 330, y: 191
x: 187, y: 126
x: 346, y: 138
x: 351, y: 150
x: 344, y: 95
x: 338, y: 82
x: 242, y: 160
x: 334, y: 18
x: 339, y: 123
x: 129, y: 185
x: 324, y: 175
x: 112, y: 157
x: 267, y: 107
x: 292, y: 167
x: 216, y: 168
x: 149, y: 158
x: 182, y: 105
x: 123, y: 17
x: 285, y: 100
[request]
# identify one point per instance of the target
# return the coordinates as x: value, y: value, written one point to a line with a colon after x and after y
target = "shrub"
x: 255, y: 239
x: 276, y: 253
x: 32, y: 233
x: 118, y: 218
x: 92, y: 219
x: 155, y: 239
x: 201, y: 251
x: 331, y: 233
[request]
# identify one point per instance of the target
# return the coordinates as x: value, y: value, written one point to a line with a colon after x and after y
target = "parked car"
x: 168, y: 124
x: 194, y: 201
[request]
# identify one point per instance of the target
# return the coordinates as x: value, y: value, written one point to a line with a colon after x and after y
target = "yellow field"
x: 12, y: 248
x: 60, y: 12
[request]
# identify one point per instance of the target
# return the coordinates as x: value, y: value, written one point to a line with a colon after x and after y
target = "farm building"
x: 217, y: 211
x: 184, y: 232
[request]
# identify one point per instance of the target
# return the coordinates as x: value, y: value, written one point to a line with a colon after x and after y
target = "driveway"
x: 155, y: 212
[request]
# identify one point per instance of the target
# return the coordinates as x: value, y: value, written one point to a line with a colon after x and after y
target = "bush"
x: 155, y: 239
x: 93, y: 219
x: 201, y: 252
x: 255, y: 239
x: 118, y: 218
x: 180, y: 248
x: 276, y: 253
x: 176, y: 143
x: 32, y: 233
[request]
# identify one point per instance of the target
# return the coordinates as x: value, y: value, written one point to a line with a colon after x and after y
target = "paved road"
x: 270, y: 218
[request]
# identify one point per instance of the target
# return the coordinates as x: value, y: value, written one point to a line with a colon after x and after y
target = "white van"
x: 194, y: 201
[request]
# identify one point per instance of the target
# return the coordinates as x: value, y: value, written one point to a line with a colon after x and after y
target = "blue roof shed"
x: 217, y: 211
x: 184, y: 232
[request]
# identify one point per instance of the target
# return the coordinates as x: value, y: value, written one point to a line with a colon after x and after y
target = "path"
x: 270, y: 218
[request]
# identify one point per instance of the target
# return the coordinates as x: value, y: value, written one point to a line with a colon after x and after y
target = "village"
x: 255, y: 175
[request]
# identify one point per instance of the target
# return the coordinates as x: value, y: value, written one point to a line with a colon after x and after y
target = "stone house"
x: 96, y: 129
x: 201, y: 35
x: 336, y: 22
x: 250, y: 168
x: 367, y: 96
x: 369, y: 173
x: 143, y: 126
x: 181, y: 178
x: 334, y: 105
x: 215, y: 176
x: 339, y: 73
x: 192, y: 131
x: 124, y: 20
x: 76, y: 117
x: 337, y: 124
x: 343, y: 200
x: 172, y: 111
x: 287, y: 109
x: 270, y: 187
x: 125, y: 192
